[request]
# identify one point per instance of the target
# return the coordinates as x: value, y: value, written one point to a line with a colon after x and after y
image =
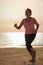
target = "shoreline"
x: 23, y: 47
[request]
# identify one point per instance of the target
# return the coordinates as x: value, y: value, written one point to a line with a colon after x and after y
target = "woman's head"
x: 28, y: 12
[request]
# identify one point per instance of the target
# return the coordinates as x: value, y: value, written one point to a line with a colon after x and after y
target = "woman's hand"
x: 15, y: 25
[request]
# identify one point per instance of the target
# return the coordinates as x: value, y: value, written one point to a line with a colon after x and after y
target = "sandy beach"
x: 19, y: 56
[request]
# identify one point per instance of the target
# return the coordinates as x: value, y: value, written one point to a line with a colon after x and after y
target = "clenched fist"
x: 15, y: 25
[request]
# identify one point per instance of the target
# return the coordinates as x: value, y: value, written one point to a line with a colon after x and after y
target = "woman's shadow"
x: 33, y: 63
x: 30, y: 63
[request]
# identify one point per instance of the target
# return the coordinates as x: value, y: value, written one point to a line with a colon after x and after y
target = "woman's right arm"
x: 18, y: 27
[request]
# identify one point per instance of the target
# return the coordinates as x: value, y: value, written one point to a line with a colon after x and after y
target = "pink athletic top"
x: 29, y: 25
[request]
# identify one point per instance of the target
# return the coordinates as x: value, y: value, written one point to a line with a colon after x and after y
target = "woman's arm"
x: 18, y: 27
x: 37, y: 25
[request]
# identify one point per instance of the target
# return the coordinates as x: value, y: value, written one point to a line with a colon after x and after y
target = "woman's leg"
x: 32, y: 52
x: 30, y: 49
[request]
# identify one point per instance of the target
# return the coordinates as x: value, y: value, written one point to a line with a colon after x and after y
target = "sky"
x: 13, y: 11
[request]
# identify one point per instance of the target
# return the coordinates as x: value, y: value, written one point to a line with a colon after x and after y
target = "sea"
x: 17, y: 39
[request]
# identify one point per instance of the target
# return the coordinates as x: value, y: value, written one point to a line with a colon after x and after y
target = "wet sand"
x: 19, y: 56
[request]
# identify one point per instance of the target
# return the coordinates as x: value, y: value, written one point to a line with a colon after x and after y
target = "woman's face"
x: 27, y: 13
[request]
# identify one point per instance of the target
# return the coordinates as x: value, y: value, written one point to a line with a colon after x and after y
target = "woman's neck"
x: 29, y: 18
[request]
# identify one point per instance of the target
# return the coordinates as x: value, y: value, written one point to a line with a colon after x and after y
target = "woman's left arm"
x: 37, y: 25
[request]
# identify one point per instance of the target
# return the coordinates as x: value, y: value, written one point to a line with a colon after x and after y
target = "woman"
x: 30, y: 31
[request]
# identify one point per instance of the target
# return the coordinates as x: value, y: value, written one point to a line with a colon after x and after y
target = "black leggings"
x: 29, y: 38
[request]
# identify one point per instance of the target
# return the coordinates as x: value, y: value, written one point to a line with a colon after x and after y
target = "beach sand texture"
x: 19, y: 56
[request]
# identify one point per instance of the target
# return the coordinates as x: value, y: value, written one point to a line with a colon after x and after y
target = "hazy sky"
x: 12, y: 11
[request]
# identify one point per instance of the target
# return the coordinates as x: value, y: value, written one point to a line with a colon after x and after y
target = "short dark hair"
x: 28, y: 9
